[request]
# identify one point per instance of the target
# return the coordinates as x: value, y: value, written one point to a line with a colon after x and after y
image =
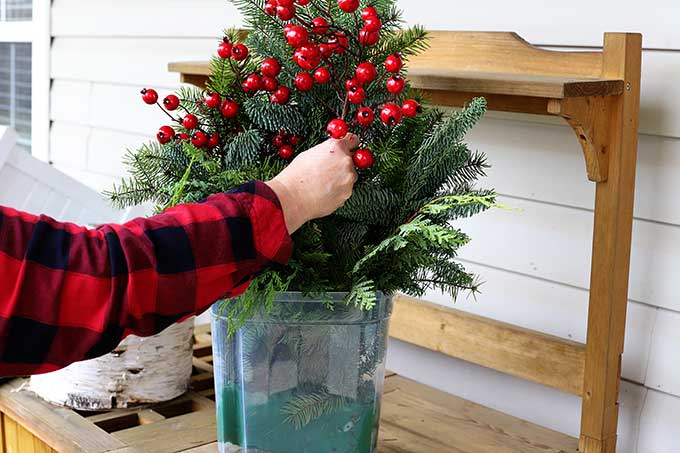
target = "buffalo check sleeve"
x: 69, y: 293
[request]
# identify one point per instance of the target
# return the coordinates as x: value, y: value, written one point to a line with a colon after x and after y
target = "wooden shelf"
x: 540, y: 86
x: 415, y: 419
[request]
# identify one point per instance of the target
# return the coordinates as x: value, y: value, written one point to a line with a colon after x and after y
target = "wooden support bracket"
x: 590, y: 118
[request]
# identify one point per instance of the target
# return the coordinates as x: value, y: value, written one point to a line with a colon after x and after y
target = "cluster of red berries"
x: 199, y: 138
x: 366, y: 73
x: 283, y: 9
x: 286, y: 144
x: 265, y: 80
x: 369, y: 35
x: 391, y: 114
x: 314, y: 42
x: 238, y: 52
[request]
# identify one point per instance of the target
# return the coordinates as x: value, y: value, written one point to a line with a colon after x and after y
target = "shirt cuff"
x: 270, y: 233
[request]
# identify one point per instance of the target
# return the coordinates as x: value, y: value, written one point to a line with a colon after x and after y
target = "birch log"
x: 140, y: 370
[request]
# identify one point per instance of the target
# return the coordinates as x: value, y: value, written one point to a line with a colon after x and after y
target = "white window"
x: 24, y: 71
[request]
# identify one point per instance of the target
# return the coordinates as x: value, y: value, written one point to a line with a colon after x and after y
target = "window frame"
x: 38, y: 33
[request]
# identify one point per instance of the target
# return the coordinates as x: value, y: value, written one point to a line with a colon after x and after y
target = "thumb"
x: 351, y: 141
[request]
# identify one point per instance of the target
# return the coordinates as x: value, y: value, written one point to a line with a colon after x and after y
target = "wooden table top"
x: 415, y: 419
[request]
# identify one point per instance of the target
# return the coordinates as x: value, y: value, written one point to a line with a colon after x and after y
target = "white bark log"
x: 140, y: 370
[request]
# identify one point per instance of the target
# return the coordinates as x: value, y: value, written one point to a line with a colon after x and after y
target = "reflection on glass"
x: 15, y: 88
x: 16, y: 10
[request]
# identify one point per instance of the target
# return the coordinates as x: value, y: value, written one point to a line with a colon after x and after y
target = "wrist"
x: 293, y: 212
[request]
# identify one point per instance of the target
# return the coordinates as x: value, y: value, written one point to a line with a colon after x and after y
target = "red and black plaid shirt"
x: 68, y: 293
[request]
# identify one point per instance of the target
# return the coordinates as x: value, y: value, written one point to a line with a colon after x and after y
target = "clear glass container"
x: 303, y: 378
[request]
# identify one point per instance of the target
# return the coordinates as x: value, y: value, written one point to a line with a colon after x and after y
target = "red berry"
x: 294, y: 140
x: 212, y: 100
x: 271, y: 67
x: 339, y: 43
x: 269, y: 83
x: 247, y: 89
x: 171, y: 102
x: 165, y: 134
x: 199, y: 139
x: 278, y: 140
x: 365, y: 116
x: 395, y: 85
x: 357, y: 97
x: 369, y: 38
x: 348, y: 6
x: 373, y: 24
x: 366, y: 73
x: 367, y: 12
x: 410, y: 108
x: 297, y: 36
x: 285, y: 12
x: 394, y: 63
x: 150, y: 96
x: 239, y: 52
x: 286, y: 152
x: 337, y: 129
x: 229, y: 109
x: 304, y: 81
x: 286, y: 2
x: 224, y: 50
x: 326, y: 49
x: 281, y: 95
x: 253, y: 83
x: 303, y: 2
x: 322, y: 75
x: 352, y: 85
x: 270, y: 8
x: 181, y: 137
x: 320, y: 26
x: 307, y: 57
x: 391, y: 114
x: 213, y: 139
x: 190, y: 121
x: 363, y: 159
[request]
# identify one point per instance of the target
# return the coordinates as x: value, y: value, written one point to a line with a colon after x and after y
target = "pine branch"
x: 305, y: 408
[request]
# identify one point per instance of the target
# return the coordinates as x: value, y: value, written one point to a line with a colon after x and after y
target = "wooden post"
x: 611, y: 251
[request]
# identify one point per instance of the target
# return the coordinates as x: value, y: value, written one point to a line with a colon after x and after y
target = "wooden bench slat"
x: 444, y: 422
x: 61, y: 428
x: 523, y: 353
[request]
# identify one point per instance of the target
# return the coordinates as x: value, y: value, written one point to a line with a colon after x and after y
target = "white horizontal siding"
x: 148, y: 18
x: 555, y: 309
x: 126, y: 61
x: 544, y: 162
x: 535, y: 261
x: 158, y: 18
x: 553, y: 242
x: 574, y: 23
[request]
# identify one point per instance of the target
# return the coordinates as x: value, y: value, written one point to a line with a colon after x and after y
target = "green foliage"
x: 308, y: 406
x: 396, y: 233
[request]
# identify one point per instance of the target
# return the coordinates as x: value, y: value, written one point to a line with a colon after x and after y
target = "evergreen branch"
x: 305, y: 408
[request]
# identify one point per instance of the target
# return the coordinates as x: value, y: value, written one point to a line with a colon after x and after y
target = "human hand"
x: 317, y: 182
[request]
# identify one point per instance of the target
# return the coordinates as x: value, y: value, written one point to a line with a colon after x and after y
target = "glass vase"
x: 302, y: 378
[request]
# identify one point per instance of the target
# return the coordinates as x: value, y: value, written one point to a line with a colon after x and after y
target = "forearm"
x: 68, y: 293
